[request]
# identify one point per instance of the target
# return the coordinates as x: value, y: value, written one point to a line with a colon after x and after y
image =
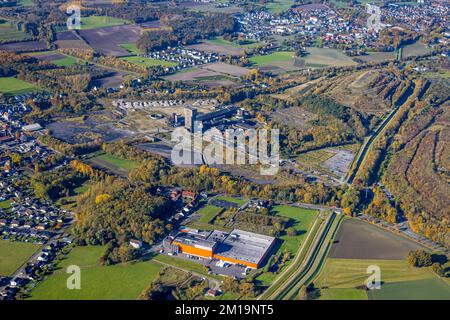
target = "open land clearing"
x: 219, y: 48
x: 13, y: 254
x: 55, y: 57
x: 95, y: 22
x: 342, y: 278
x: 24, y: 46
x: 357, y: 239
x: 97, y: 124
x: 113, y: 164
x: 325, y: 57
x: 204, y: 76
x: 227, y: 69
x: 121, y: 281
x: 12, y: 86
x: 108, y: 40
x: 302, y: 222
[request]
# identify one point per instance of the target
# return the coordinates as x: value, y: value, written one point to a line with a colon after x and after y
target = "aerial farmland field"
x: 121, y: 281
x: 13, y: 254
x: 11, y: 85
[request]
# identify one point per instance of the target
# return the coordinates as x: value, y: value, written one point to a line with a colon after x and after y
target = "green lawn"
x: 65, y: 62
x: 131, y: 47
x: 13, y: 254
x: 186, y: 265
x: 93, y: 22
x: 343, y: 294
x: 208, y: 213
x: 272, y: 57
x: 304, y: 219
x: 122, y: 281
x: 12, y: 86
x: 119, y: 162
x: 149, y: 62
x: 427, y: 289
x: 5, y: 204
x: 278, y: 6
x: 350, y: 273
x: 238, y: 201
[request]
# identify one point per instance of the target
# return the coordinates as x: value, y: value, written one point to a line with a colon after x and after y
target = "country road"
x: 308, y: 260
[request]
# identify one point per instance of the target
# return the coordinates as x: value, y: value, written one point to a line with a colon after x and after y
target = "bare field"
x: 107, y: 40
x: 361, y: 240
x: 75, y: 44
x: 294, y: 116
x: 220, y: 49
x: 191, y: 75
x: 24, y: 46
x: 226, y: 68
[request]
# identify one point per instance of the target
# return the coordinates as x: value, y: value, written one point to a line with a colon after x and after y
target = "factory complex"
x: 237, y: 247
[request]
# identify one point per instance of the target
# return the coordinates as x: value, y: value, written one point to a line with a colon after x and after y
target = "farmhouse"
x: 238, y: 247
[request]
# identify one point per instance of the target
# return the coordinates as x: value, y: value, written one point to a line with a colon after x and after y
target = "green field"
x: 93, y: 22
x: 65, y: 62
x: 119, y: 162
x: 121, y: 281
x: 278, y: 6
x: 185, y: 265
x: 5, y: 204
x: 303, y: 220
x: 13, y: 254
x: 12, y: 86
x: 261, y: 60
x: 343, y: 294
x: 427, y: 289
x: 340, y: 277
x: 238, y: 201
x: 149, y: 62
x: 350, y: 273
x: 131, y: 48
x: 208, y: 213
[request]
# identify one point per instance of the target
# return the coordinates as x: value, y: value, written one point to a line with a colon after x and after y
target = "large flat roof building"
x: 238, y: 247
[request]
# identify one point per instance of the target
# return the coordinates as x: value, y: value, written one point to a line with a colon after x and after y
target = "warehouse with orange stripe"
x: 238, y: 247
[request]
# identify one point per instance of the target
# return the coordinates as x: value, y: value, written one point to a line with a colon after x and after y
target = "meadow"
x: 325, y: 57
x: 131, y: 48
x: 13, y: 254
x: 303, y: 220
x: 12, y: 86
x: 121, y: 281
x: 94, y: 22
x: 279, y: 6
x: 260, y: 60
x: 340, y: 278
x: 208, y: 213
